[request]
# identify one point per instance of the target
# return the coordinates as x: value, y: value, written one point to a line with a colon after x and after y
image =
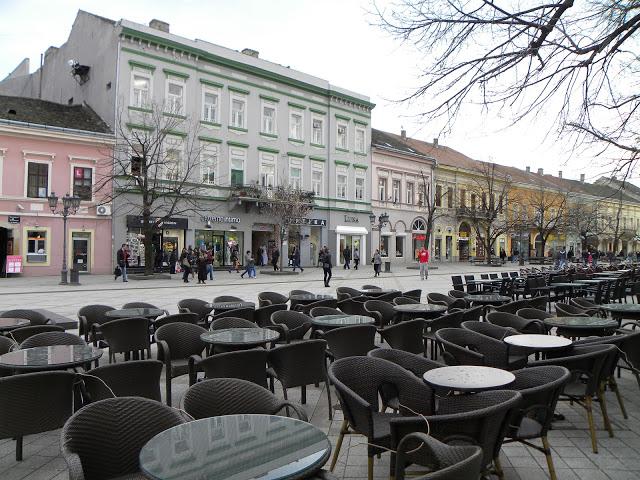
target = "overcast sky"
x: 332, y: 39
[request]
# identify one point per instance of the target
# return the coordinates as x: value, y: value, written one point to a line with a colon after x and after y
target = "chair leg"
x: 547, y: 454
x: 592, y: 427
x: 370, y: 468
x: 343, y: 430
x: 168, y: 388
x: 18, y: 449
x: 303, y: 394
x: 498, y: 467
x: 284, y: 393
x: 614, y: 386
x: 326, y: 383
x: 603, y: 409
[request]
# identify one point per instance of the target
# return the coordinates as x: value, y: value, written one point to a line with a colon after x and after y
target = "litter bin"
x: 74, y: 276
x: 387, y: 267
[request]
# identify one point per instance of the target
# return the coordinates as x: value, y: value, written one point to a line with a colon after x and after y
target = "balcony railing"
x: 471, y: 212
x: 254, y: 193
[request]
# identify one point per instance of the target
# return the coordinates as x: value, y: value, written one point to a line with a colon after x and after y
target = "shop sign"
x: 351, y: 219
x: 418, y: 236
x: 14, y: 263
x: 134, y: 221
x: 220, y: 219
x: 14, y: 219
x: 312, y: 222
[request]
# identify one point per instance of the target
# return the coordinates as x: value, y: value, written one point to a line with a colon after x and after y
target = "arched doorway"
x: 418, y: 235
x: 464, y: 237
x: 537, y: 245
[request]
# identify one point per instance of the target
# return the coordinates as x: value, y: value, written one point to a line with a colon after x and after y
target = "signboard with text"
x: 14, y: 264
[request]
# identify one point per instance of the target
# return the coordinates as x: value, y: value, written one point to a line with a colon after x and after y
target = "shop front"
x: 168, y: 240
x: 223, y: 235
x: 464, y: 235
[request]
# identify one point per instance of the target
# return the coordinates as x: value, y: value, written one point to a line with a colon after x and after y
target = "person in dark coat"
x: 275, y: 258
x: 327, y: 265
x: 296, y: 259
x: 122, y: 258
x: 202, y: 267
x: 346, y: 253
x: 185, y: 264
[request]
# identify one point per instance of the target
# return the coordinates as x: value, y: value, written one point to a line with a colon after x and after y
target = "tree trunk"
x: 147, y: 231
x: 543, y: 242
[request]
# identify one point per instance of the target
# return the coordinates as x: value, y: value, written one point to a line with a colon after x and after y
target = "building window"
x: 210, y: 105
x: 410, y: 193
x: 318, y: 131
x: 236, y: 160
x: 317, y: 178
x: 342, y: 138
x: 360, y: 140
x: 382, y: 189
x: 269, y: 118
x: 296, y: 121
x: 341, y: 182
x: 450, y: 197
x: 395, y: 188
x: 295, y: 173
x: 384, y: 246
x: 172, y: 162
x: 463, y: 198
x: 238, y: 112
x: 175, y: 96
x: 36, y: 246
x: 37, y: 180
x: 360, y: 184
x: 82, y: 182
x: 399, y: 246
x: 209, y: 164
x: 140, y: 90
x: 438, y: 195
x: 267, y: 170
x: 421, y: 194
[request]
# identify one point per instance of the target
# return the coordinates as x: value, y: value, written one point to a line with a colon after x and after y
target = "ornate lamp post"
x: 70, y: 206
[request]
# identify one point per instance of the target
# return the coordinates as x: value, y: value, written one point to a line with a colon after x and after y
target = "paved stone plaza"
x: 618, y: 457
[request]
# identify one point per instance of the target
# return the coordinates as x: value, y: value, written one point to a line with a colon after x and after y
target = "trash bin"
x: 387, y: 267
x: 74, y: 276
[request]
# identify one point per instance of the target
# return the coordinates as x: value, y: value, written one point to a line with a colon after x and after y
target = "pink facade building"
x: 44, y: 148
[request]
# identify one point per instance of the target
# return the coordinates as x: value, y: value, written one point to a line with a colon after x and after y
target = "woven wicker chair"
x: 347, y: 292
x: 233, y: 396
x: 143, y: 305
x: 179, y: 345
x: 6, y: 345
x: 540, y: 388
x: 404, y: 301
x: 306, y: 309
x: 522, y: 325
x: 321, y: 311
x: 445, y: 462
x: 414, y: 294
x: 450, y: 320
x: 197, y: 306
x: 299, y: 292
x: 90, y: 314
x: 533, y: 314
x: 250, y: 365
x: 22, y: 333
x: 301, y: 364
x: 176, y: 318
x: 36, y: 318
x: 406, y: 335
x: 496, y: 332
x: 457, y: 294
x: 511, y: 307
x: 246, y: 313
x: 473, y: 314
x: 353, y: 305
x: 381, y: 311
x: 388, y: 297
x: 227, y: 298
x: 271, y: 298
x: 262, y: 315
x: 371, y: 287
x: 466, y: 347
x: 416, y: 364
x: 564, y: 310
x: 439, y: 299
x: 540, y: 303
x: 293, y: 325
x: 357, y: 340
x: 586, y: 364
x: 48, y: 339
x: 231, y: 322
x: 589, y: 307
x: 34, y: 403
x: 125, y: 335
x: 358, y: 381
x: 137, y: 378
x: 125, y: 425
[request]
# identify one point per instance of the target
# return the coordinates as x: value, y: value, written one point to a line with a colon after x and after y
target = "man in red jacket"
x: 423, y: 259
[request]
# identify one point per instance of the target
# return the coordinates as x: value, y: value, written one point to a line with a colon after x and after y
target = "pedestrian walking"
x: 503, y: 256
x: 234, y: 260
x: 327, y: 265
x: 252, y: 267
x: 122, y: 258
x: 296, y: 259
x: 423, y: 261
x: 377, y: 263
x: 275, y: 257
x: 172, y: 262
x: 209, y: 255
x: 265, y: 256
x: 356, y: 259
x: 346, y: 254
x: 185, y: 265
x: 247, y: 259
x: 202, y: 267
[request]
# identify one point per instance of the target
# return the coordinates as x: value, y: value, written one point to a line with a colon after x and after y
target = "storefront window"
x: 399, y: 246
x: 36, y: 246
x: 224, y: 245
x: 384, y: 246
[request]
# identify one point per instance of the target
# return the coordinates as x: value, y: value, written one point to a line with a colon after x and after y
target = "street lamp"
x: 383, y: 219
x: 70, y: 206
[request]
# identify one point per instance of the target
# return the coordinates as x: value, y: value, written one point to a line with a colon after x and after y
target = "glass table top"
x: 487, y: 298
x: 56, y: 356
x: 7, y: 323
x: 538, y: 341
x: 240, y: 336
x: 135, y: 312
x: 303, y: 297
x: 581, y: 322
x: 236, y: 447
x: 342, y: 320
x: 468, y: 378
x: 419, y: 307
x: 377, y: 291
x: 230, y: 305
x: 621, y: 307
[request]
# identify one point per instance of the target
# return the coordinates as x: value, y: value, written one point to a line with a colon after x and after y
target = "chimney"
x: 582, y: 178
x: 559, y: 173
x: 403, y: 133
x: 528, y: 169
x: 435, y: 142
x: 251, y: 52
x: 159, y: 25
x: 540, y: 171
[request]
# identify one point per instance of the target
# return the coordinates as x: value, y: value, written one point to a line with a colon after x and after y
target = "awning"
x: 348, y: 230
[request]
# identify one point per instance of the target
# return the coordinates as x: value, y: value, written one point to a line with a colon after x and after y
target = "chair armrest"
x: 464, y: 356
x: 82, y: 322
x: 300, y: 413
x: 194, y: 360
x: 95, y: 330
x: 75, y: 466
x: 282, y: 329
x: 164, y: 353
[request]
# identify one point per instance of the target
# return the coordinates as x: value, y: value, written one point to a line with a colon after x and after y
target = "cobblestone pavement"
x: 618, y: 457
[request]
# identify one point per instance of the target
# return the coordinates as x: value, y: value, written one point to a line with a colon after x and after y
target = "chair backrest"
x: 414, y: 294
x: 371, y: 287
x: 181, y: 338
x: 450, y: 320
x: 36, y: 318
x: 471, y: 287
x: 108, y: 435
x: 137, y: 378
x: 489, y: 329
x: 404, y: 301
x: 405, y: 335
x: 512, y: 307
x: 533, y: 314
x: 493, y: 276
x: 473, y: 314
x: 504, y: 274
x: 246, y: 313
x: 355, y: 340
x: 299, y: 292
x: 228, y: 396
x: 539, y: 302
x: 6, y: 345
x: 126, y: 334
x: 381, y: 311
x: 484, y: 276
x: 176, y: 318
x: 467, y: 347
x: 564, y: 310
x: 439, y: 299
x: 293, y: 320
x: 457, y: 294
x: 320, y: 311
x: 231, y: 322
x: 417, y: 364
x: 347, y: 292
x: 195, y: 305
x: 250, y: 365
x: 92, y: 314
x: 456, y: 281
x: 353, y: 305
x: 301, y: 363
x: 327, y: 302
x: 47, y: 339
x: 514, y: 274
x: 271, y: 298
x: 35, y: 402
x: 262, y: 315
x: 22, y: 333
x: 584, y: 304
x: 138, y: 305
x: 388, y: 297
x: 227, y: 298
x: 520, y: 324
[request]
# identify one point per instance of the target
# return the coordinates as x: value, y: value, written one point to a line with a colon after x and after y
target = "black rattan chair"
x: 246, y: 313
x: 450, y: 320
x: 125, y: 335
x: 175, y: 318
x: 540, y: 303
x: 357, y: 340
x: 90, y: 314
x: 564, y: 310
x: 496, y: 332
x: 320, y: 311
x: 533, y: 314
x: 250, y: 365
x: 262, y: 315
x: 197, y: 306
x: 381, y: 311
x: 404, y: 301
x: 511, y: 307
x: 405, y: 336
x: 293, y: 325
x: 271, y: 298
x: 231, y: 322
x: 125, y: 425
x: 22, y: 333
x: 227, y: 298
x: 343, y: 293
x: 48, y: 339
x: 414, y: 294
x: 143, y: 305
x: 522, y: 325
x: 137, y: 378
x: 416, y: 364
x: 306, y: 309
x: 35, y: 317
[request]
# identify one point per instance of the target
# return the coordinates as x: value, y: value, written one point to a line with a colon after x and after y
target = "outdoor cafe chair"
x: 90, y: 314
x: 125, y: 335
x: 381, y: 311
x: 48, y: 339
x: 137, y: 378
x: 262, y: 315
x: 22, y: 333
x: 292, y: 325
x: 321, y: 311
x: 356, y: 340
x: 415, y: 363
x: 327, y: 302
x: 450, y: 320
x: 246, y: 313
x: 191, y: 318
x: 520, y: 324
x: 406, y: 335
x: 250, y: 365
x: 36, y: 318
x: 404, y: 301
x: 271, y: 298
x: 197, y: 306
x: 414, y: 294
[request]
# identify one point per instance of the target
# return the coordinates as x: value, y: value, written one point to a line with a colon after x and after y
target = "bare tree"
x: 491, y: 188
x: 585, y: 219
x: 576, y: 59
x: 430, y: 201
x: 153, y: 171
x: 546, y: 212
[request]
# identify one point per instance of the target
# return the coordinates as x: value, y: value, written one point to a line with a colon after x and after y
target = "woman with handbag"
x: 327, y: 264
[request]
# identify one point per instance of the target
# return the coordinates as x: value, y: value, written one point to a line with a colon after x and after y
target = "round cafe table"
x: 238, y: 447
x: 225, y: 306
x: 468, y: 378
x: 419, y: 310
x: 622, y: 310
x: 240, y: 338
x: 50, y: 358
x: 336, y: 321
x: 537, y: 342
x: 490, y: 299
x: 376, y: 292
x: 306, y: 298
x: 7, y: 324
x: 151, y: 313
x: 574, y: 327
